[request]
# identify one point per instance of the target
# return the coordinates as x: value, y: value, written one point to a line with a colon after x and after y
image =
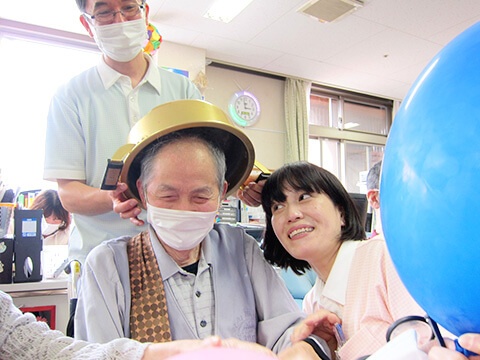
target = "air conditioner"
x: 327, y: 11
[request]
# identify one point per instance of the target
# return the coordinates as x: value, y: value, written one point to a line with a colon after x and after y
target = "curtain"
x: 297, y: 96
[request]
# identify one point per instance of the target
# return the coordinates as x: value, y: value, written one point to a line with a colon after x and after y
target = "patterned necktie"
x: 148, y: 314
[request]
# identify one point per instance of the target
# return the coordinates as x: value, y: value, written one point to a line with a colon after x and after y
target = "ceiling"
x: 379, y: 49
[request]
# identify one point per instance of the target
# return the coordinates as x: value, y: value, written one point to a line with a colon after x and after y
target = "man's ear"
x: 147, y: 12
x: 225, y: 187
x: 86, y: 25
x: 141, y: 193
x: 373, y: 197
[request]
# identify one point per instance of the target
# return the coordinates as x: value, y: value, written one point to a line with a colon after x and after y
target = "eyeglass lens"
x: 106, y: 15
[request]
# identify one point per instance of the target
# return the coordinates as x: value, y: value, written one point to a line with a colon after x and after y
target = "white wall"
x: 181, y: 57
x: 218, y: 85
x: 268, y: 133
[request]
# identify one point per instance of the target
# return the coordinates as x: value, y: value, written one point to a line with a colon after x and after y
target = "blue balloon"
x: 430, y: 186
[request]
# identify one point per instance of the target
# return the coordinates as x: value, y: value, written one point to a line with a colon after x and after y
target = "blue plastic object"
x: 430, y: 186
x: 298, y: 285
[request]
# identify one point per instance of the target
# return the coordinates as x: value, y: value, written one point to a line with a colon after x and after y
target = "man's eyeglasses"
x: 106, y: 16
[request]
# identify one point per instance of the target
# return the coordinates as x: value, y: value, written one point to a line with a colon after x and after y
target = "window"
x: 348, y: 133
x: 31, y: 71
x: 359, y: 158
x: 322, y: 110
x: 366, y: 118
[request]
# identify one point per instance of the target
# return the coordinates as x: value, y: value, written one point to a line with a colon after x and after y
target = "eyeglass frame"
x: 92, y: 17
x: 426, y: 319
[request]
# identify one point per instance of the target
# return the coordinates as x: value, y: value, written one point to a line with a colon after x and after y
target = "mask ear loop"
x: 62, y: 225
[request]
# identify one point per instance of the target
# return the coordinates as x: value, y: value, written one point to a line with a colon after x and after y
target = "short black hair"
x: 304, y: 176
x: 373, y: 176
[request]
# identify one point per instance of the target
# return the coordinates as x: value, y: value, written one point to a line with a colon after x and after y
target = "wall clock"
x: 244, y: 108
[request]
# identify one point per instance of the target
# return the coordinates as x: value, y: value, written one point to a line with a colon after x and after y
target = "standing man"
x: 90, y: 118
x: 373, y: 196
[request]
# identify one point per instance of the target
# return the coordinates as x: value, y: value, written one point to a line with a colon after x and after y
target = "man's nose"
x: 119, y: 17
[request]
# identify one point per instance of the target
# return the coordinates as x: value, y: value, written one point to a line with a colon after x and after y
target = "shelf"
x: 45, y: 285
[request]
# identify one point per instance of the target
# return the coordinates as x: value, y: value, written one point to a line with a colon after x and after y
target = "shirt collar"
x: 336, y: 285
x: 110, y: 76
x: 168, y: 267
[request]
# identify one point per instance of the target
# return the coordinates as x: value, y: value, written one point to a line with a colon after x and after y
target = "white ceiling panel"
x: 176, y: 34
x: 386, y: 53
x: 447, y: 35
x: 235, y: 52
x: 300, y: 35
x: 422, y: 18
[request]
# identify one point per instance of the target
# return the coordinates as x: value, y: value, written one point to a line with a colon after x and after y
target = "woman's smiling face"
x: 308, y: 225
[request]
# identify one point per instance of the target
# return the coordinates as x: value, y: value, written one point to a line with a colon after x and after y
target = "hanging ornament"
x: 154, y: 40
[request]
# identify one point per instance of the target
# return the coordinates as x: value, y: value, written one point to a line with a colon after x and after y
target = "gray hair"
x: 82, y: 5
x: 373, y: 176
x: 218, y: 156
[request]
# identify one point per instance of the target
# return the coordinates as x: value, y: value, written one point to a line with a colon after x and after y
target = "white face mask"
x: 121, y: 41
x: 48, y: 229
x: 181, y: 230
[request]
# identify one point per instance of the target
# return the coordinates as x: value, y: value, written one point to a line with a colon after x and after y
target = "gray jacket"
x: 251, y: 300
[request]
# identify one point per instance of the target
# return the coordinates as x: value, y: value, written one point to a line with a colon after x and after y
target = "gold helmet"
x: 195, y: 116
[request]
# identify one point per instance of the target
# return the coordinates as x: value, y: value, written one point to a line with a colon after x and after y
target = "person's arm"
x: 321, y: 324
x: 303, y: 351
x: 100, y: 313
x: 22, y: 337
x: 79, y: 198
x: 276, y: 318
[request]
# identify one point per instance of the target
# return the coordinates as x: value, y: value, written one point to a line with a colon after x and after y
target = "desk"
x: 43, y: 293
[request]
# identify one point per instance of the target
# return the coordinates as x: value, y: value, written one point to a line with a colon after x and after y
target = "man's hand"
x: 126, y: 208
x: 252, y: 193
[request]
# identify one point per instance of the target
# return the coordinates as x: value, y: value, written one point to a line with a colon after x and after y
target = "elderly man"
x: 185, y: 277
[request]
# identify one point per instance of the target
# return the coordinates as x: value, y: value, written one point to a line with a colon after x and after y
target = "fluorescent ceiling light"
x: 226, y: 10
x: 350, y: 125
